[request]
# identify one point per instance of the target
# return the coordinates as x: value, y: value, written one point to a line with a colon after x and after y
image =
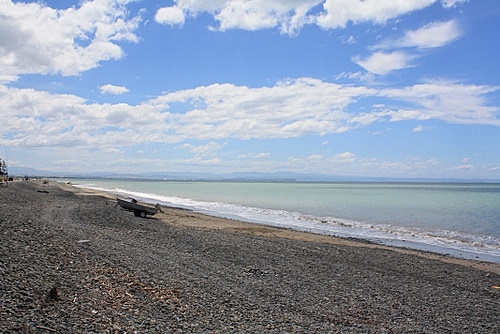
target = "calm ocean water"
x: 458, y: 219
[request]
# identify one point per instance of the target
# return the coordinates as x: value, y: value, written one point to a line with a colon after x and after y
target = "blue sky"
x: 401, y: 88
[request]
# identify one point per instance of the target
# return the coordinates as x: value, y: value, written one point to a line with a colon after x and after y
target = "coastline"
x: 188, y: 272
x: 414, y: 216
x: 193, y: 219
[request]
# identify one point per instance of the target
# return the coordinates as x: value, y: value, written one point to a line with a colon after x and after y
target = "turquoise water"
x: 461, y: 219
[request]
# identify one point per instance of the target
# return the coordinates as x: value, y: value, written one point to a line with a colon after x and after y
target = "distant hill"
x: 242, y: 176
x: 26, y: 171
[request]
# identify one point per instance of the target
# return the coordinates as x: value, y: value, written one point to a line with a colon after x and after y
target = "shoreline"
x: 72, y: 262
x: 190, y: 218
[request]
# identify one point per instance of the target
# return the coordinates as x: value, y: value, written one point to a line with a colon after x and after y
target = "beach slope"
x: 73, y: 262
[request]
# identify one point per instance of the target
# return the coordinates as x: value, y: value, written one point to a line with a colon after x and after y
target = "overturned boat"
x: 139, y: 209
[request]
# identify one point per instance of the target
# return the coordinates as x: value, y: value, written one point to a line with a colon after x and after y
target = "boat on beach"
x: 139, y: 209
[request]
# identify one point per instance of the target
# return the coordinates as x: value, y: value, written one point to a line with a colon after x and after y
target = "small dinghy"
x: 139, y: 209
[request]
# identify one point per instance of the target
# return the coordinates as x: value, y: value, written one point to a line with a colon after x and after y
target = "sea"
x: 458, y: 219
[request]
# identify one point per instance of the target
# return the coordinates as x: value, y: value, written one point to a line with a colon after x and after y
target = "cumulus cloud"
x: 251, y: 15
x: 245, y: 15
x: 38, y: 39
x: 38, y: 118
x: 282, y: 111
x: 338, y: 13
x: 113, y: 90
x: 291, y: 16
x: 170, y: 16
x: 383, y: 63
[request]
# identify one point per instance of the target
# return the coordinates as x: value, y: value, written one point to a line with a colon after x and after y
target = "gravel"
x: 75, y: 263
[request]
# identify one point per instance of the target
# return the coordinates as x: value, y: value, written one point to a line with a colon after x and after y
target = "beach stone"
x: 112, y: 272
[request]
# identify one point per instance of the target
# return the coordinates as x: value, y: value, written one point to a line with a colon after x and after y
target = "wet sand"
x: 72, y: 262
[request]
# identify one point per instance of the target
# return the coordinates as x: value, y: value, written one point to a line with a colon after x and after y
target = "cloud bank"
x: 289, y: 109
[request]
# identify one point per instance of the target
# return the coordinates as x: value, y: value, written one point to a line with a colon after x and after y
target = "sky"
x: 357, y: 88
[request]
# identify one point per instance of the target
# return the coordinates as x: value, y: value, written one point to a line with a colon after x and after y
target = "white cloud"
x: 447, y: 101
x: 315, y: 157
x: 432, y: 35
x: 338, y: 13
x: 263, y: 155
x: 203, y: 151
x: 419, y: 128
x: 358, y: 76
x: 38, y: 39
x: 245, y: 15
x: 464, y: 167
x: 408, y: 167
x: 255, y: 156
x: 289, y: 16
x: 6, y: 78
x: 170, y: 16
x: 452, y: 3
x: 348, y: 40
x: 113, y: 90
x: 342, y: 158
x: 383, y: 63
x: 466, y: 160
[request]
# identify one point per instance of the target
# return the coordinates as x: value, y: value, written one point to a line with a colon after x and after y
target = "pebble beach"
x: 73, y: 262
